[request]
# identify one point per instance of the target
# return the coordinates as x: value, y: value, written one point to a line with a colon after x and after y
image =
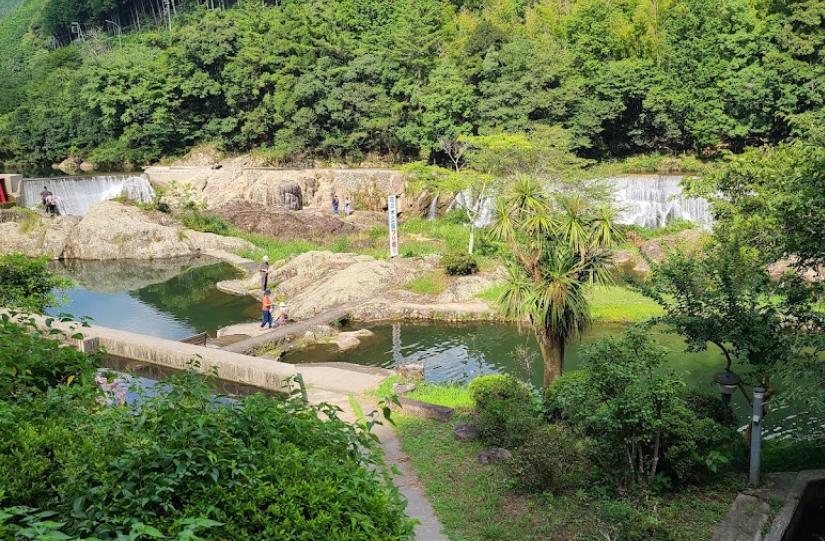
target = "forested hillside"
x: 397, y: 78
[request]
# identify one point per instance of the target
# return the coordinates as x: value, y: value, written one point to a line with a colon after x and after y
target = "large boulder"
x: 34, y: 234
x: 317, y: 281
x: 112, y: 230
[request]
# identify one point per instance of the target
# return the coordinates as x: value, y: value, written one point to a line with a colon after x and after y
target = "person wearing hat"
x: 282, y: 317
x: 266, y: 308
x: 264, y: 272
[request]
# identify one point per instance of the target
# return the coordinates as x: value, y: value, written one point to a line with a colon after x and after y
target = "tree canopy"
x: 352, y: 78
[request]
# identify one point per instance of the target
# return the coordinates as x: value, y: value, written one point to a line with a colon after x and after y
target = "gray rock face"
x: 465, y: 432
x: 411, y: 372
x: 35, y: 235
x: 403, y: 388
x: 110, y: 230
x: 494, y: 455
x: 114, y: 231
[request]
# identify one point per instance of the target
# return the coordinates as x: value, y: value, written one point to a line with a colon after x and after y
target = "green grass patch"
x: 792, y: 455
x: 621, y: 304
x: 475, y: 502
x: 451, y: 396
x: 607, y: 303
x: 429, y: 283
x: 276, y: 249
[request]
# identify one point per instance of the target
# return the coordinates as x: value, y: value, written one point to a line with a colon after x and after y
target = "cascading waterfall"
x: 645, y: 200
x: 75, y: 195
x: 655, y: 201
x: 432, y: 212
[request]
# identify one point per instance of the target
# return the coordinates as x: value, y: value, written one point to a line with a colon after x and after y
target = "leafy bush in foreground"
x: 505, y: 413
x: 31, y: 362
x: 252, y: 468
x: 638, y: 422
x: 550, y: 460
x: 27, y: 283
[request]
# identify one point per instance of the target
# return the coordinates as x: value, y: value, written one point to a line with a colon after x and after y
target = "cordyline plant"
x: 560, y: 246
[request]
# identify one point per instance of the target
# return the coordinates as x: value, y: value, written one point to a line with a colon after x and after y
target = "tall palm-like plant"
x: 560, y: 246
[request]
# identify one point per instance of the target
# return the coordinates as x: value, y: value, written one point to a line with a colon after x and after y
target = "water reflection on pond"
x: 459, y: 352
x: 172, y: 298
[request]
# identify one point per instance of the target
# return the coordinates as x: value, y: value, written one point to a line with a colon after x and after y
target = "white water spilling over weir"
x: 656, y: 200
x: 75, y: 195
x: 645, y: 200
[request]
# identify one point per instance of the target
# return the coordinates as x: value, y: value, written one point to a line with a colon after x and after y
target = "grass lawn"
x: 475, y: 502
x: 429, y: 283
x: 607, y: 303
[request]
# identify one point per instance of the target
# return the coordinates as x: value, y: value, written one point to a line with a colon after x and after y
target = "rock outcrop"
x: 34, y: 234
x: 366, y: 189
x: 284, y: 224
x: 110, y: 230
x: 114, y: 231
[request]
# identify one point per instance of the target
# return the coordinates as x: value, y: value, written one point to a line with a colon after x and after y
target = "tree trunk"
x: 552, y: 352
x: 472, y: 238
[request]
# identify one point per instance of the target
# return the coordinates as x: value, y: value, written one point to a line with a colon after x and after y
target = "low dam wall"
x: 230, y: 367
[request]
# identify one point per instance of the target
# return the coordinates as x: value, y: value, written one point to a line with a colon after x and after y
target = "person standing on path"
x: 44, y: 194
x: 347, y: 208
x: 264, y: 272
x: 335, y: 204
x: 266, y: 309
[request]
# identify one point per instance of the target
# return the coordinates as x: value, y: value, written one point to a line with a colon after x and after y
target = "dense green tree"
x: 560, y: 246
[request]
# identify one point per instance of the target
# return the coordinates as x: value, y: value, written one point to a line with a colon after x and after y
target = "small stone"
x: 494, y: 455
x: 465, y: 432
x: 403, y: 388
x: 411, y: 372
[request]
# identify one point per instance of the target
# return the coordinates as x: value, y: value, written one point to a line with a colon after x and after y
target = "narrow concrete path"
x: 299, y: 327
x: 429, y: 527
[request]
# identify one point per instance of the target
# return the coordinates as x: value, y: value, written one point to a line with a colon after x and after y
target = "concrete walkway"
x: 429, y: 527
x: 294, y: 329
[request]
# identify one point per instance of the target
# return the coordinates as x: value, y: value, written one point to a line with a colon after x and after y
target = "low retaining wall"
x: 266, y: 374
x: 225, y: 365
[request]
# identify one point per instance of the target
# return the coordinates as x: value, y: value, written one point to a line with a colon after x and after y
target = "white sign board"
x: 392, y: 213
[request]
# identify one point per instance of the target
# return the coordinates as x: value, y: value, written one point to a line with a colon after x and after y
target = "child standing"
x: 266, y: 307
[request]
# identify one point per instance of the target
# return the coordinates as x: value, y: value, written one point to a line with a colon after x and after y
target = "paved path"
x: 299, y: 327
x: 418, y: 506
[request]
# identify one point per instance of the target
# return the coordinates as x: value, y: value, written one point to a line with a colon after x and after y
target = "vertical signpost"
x: 392, y: 214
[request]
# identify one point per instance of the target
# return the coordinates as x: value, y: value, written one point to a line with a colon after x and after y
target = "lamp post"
x: 727, y: 382
x: 756, y: 435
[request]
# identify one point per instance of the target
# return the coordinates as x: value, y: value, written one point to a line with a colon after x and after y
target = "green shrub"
x: 627, y: 407
x: 27, y: 283
x: 33, y: 362
x: 505, y: 410
x: 254, y: 468
x: 627, y: 522
x: 551, y: 460
x: 459, y: 264
x: 208, y: 223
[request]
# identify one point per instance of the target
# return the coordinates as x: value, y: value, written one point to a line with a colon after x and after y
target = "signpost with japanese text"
x: 392, y: 214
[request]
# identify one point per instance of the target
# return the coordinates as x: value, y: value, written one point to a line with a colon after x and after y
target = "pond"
x: 171, y: 298
x: 459, y: 352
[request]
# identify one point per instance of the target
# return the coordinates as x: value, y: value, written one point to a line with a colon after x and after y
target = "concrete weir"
x: 230, y: 367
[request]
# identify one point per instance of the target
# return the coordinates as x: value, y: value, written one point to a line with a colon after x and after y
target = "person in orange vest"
x: 266, y: 307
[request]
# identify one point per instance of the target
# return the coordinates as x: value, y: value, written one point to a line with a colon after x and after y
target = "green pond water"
x: 176, y: 298
x: 459, y: 352
x: 172, y: 298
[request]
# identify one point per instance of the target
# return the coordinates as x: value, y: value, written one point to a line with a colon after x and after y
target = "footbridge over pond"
x: 263, y: 338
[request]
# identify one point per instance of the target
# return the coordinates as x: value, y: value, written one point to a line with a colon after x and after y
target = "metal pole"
x: 756, y: 435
